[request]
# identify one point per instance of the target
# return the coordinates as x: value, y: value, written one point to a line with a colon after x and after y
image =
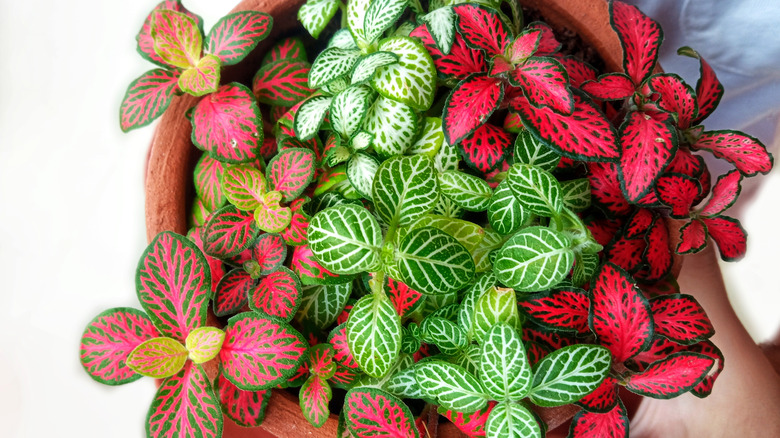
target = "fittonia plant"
x: 442, y: 207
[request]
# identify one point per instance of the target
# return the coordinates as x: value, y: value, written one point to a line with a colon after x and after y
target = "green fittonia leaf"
x: 452, y: 386
x: 330, y: 64
x: 348, y: 109
x: 506, y: 213
x: 244, y: 186
x: 486, y: 252
x: 576, y: 194
x: 309, y: 117
x: 512, y: 420
x: 441, y: 25
x: 356, y: 17
x: 467, y: 191
x: 364, y: 69
x: 506, y: 373
x: 204, y: 343
x: 431, y: 261
x: 404, y: 384
x: 346, y: 239
x: 405, y: 189
x: 469, y: 234
x: 430, y: 140
x: 494, y: 306
x: 380, y: 15
x: 412, y: 80
x: 566, y: 375
x: 374, y: 334
x: 322, y: 304
x: 536, y: 189
x: 316, y: 14
x: 529, y: 150
x: 446, y: 335
x: 157, y: 357
x: 361, y: 170
x: 534, y: 259
x: 482, y: 284
x: 393, y: 125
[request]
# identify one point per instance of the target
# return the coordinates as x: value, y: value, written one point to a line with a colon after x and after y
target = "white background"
x: 71, y: 213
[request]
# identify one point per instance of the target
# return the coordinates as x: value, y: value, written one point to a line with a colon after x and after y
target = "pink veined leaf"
x: 672, y: 376
x: 185, y: 405
x: 724, y: 194
x: 647, y: 148
x: 321, y: 361
x: 612, y: 424
x: 173, y: 284
x: 611, y: 86
x: 639, y: 223
x: 288, y: 48
x: 548, y: 44
x: 405, y: 299
x: 296, y: 233
x: 372, y: 412
x: 299, y: 376
x: 310, y: 271
x: 584, y: 135
x: 512, y: 123
x: 605, y: 189
x: 659, y: 349
x: 345, y: 377
x: 146, y: 42
x: 579, y: 71
x: 603, y: 230
x: 562, y: 309
x: 746, y: 153
x: 546, y: 338
x: 666, y: 286
x: 177, y: 38
x: 270, y: 216
x: 729, y: 235
x: 291, y: 142
x: 686, y: 163
x: 268, y: 149
x: 679, y: 192
x: 626, y: 253
x: 462, y: 60
x: 108, y: 340
x: 621, y: 315
x: 472, y: 424
x: 658, y: 254
x: 707, y: 348
x: 545, y: 83
x: 640, y: 36
x: 291, y: 171
x: 284, y: 82
x: 147, y: 97
x: 216, y: 266
x: 676, y: 97
x: 693, y: 237
x: 469, y: 105
x: 227, y: 124
x: 237, y: 34
x: 199, y: 214
x: 232, y: 292
x: 709, y: 90
x: 229, y: 232
x: 260, y: 352
x: 207, y: 175
x: 269, y: 251
x: 482, y: 29
x: 277, y: 294
x: 603, y: 399
x: 525, y: 45
x: 245, y: 408
x: 342, y: 353
x: 486, y: 148
x: 681, y: 319
x: 244, y: 186
x: 493, y: 178
x: 202, y: 78
x: 314, y: 396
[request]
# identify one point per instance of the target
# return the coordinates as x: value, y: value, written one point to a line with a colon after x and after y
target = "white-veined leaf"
x: 430, y: 140
x: 309, y: 117
x: 446, y: 335
x: 403, y: 384
x: 315, y: 15
x: 405, y: 189
x: 576, y: 194
x: 536, y: 189
x: 412, y: 80
x: 534, y: 259
x: 431, y: 261
x: 445, y: 207
x: 452, y: 386
x: 348, y: 109
x: 441, y: 25
x: 568, y: 374
x: 364, y: 69
x: 496, y: 305
x: 584, y: 268
x: 394, y: 126
x: 482, y: 284
x: 321, y: 304
x: 342, y: 39
x: 330, y: 64
x: 467, y: 191
x: 356, y: 13
x: 505, y: 371
x: 374, y: 334
x: 467, y: 233
x: 447, y: 158
x: 381, y: 14
x: 512, y: 420
x: 361, y: 170
x: 506, y: 213
x: 361, y: 141
x: 529, y: 150
x: 345, y: 239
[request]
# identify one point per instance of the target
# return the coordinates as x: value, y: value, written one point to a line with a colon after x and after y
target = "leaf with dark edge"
x: 286, y: 48
x: 469, y: 105
x: 693, y: 238
x: 707, y: 348
x: 746, y: 153
x: 545, y: 83
x: 330, y: 64
x: 708, y: 88
x: 374, y: 334
x: 173, y: 285
x: 605, y: 189
x: 441, y: 23
x: 568, y: 374
x: 310, y: 271
x: 296, y: 233
x: 621, y: 317
x: 433, y: 262
x: 482, y: 29
x: 658, y: 254
x: 579, y: 71
x: 231, y: 295
x: 548, y: 339
x: 147, y: 97
x: 269, y: 252
x: 724, y: 194
x: 229, y: 232
x: 472, y: 424
x: 284, y: 82
x: 342, y: 353
x: 686, y: 163
x: 316, y: 14
x: 405, y: 299
x: 201, y: 79
x: 314, y: 397
x: 277, y: 294
x: 380, y: 15
x: 411, y: 80
x: 486, y: 148
x: 560, y: 309
x: 660, y: 349
x: 145, y: 41
x: 107, y: 341
x: 612, y: 424
x: 672, y: 376
x: 462, y: 60
x: 610, y: 86
x: 207, y: 175
x: 548, y: 44
x: 345, y: 378
x: 676, y: 97
x: 321, y: 360
x: 291, y: 171
x: 626, y: 253
x: 681, y: 319
x: 237, y: 34
x: 639, y: 223
x: 227, y: 124
x: 244, y: 186
x: 584, y: 135
x: 177, y: 38
x: 603, y: 398
x: 603, y: 230
x: 640, y: 37
x: 260, y: 352
x: 245, y: 408
x: 679, y: 192
x: 729, y: 235
x: 648, y: 146
x: 372, y: 412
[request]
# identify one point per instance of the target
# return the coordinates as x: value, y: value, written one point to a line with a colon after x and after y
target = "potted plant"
x: 438, y: 206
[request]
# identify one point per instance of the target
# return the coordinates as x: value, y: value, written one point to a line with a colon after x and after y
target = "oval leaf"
x: 568, y: 374
x: 505, y: 371
x: 374, y: 334
x: 158, y: 358
x: 452, y: 386
x: 534, y: 259
x: 345, y: 239
x: 291, y: 171
x: 405, y: 188
x: 147, y: 97
x: 412, y: 80
x: 204, y: 343
x: 372, y: 412
x: 432, y: 261
x: 277, y: 294
x: 237, y: 34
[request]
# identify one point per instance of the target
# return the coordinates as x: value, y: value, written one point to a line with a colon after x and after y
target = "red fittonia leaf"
x: 605, y: 189
x: 472, y: 424
x: 405, y: 299
x: 579, y: 71
x: 207, y: 176
x: 185, y: 405
x: 546, y: 338
x: 603, y: 230
x: 724, y: 194
x: 562, y: 309
x: 612, y: 424
x: 216, y: 266
x: 245, y: 408
x: 237, y: 34
x: 708, y: 88
x: 321, y: 360
x: 482, y: 29
x: 342, y: 353
x: 147, y: 97
x: 524, y: 46
x: 260, y: 352
x: 626, y: 253
x: 545, y: 83
x: 658, y: 254
x: 707, y: 348
x: 462, y: 60
x: 229, y: 232
x: 621, y: 315
x: 671, y: 376
x: 297, y: 232
x: 679, y: 192
x: 311, y: 272
x: 227, y: 124
x: 269, y: 251
x: 291, y: 171
x: 288, y: 48
x: 705, y: 181
x: 232, y: 292
x: 659, y: 349
x: 681, y: 319
x: 314, y: 397
x: 603, y: 399
x: 486, y: 148
x: 640, y: 36
x: 648, y: 146
x: 729, y: 235
x: 535, y: 352
x: 173, y: 283
x: 639, y: 223
x: 345, y: 377
x: 513, y: 123
x: 283, y: 82
x: 146, y: 42
x: 686, y: 163
x: 611, y: 86
x: 277, y: 294
x: 372, y: 412
x: 676, y: 97
x: 584, y: 135
x: 746, y: 153
x: 108, y: 340
x: 469, y: 105
x: 548, y: 45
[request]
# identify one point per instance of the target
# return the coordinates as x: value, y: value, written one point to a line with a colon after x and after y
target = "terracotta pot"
x: 172, y: 157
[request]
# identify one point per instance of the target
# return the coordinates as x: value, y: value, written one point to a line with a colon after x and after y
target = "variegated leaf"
x: 564, y: 309
x: 380, y: 15
x: 204, y: 343
x: 348, y: 109
x: 309, y: 117
x: 286, y: 48
x: 576, y: 194
x: 330, y: 64
x: 244, y: 186
x: 291, y: 171
x: 277, y: 294
x: 201, y: 79
x: 568, y: 374
x: 394, y: 126
x: 469, y: 234
x: 648, y: 145
x: 512, y: 420
x: 506, y: 213
x: 536, y: 189
x: 147, y: 97
x: 441, y: 24
x: 346, y: 239
x: 284, y: 82
x: 177, y: 38
x: 669, y: 377
x: 158, y: 357
x: 412, y: 80
x: 321, y: 304
x: 310, y: 271
x: 361, y: 170
x: 231, y: 294
x: 448, y: 337
x: 245, y: 408
x: 314, y: 397
x: 534, y: 259
x: 544, y: 82
x: 470, y: 105
x: 374, y: 334
x: 356, y: 17
x: 430, y: 140
x: 481, y: 284
x: 530, y: 150
x: 451, y: 386
x: 364, y: 69
x: 746, y: 153
x: 431, y: 261
x: 466, y: 191
x: 495, y: 305
x: 640, y: 36
x: 207, y: 177
x: 270, y: 216
x: 482, y: 28
x: 372, y: 412
x: 405, y: 189
x: 237, y: 34
x: 316, y: 14
x: 505, y: 371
